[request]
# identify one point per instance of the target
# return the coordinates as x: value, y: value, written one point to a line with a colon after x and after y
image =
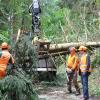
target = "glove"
x: 79, y: 72
x: 73, y: 70
x: 89, y: 73
x: 69, y: 70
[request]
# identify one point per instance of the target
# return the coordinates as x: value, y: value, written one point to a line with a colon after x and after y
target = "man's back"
x: 4, y: 59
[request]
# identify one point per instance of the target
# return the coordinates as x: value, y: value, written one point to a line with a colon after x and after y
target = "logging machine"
x: 45, y: 64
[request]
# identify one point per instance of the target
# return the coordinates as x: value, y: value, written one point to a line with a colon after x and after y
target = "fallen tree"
x: 51, y: 48
x: 65, y: 46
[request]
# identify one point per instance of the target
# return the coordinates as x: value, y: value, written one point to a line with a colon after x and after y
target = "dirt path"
x: 59, y: 93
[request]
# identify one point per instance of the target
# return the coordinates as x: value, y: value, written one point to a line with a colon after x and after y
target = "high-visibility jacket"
x: 73, y: 62
x: 5, y: 58
x: 85, y: 63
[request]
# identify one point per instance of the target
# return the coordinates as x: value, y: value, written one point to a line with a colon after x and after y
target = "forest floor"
x: 59, y: 91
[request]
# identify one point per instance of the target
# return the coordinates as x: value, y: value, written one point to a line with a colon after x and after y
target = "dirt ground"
x: 59, y: 93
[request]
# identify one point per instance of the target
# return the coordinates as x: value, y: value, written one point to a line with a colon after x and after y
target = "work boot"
x: 86, y: 99
x: 77, y: 93
x: 69, y: 91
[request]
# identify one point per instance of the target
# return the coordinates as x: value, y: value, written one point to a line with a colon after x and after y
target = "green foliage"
x: 4, y: 36
x: 94, y: 82
x: 71, y: 20
x: 14, y: 15
x: 77, y: 17
x: 61, y: 20
x: 25, y: 54
x: 96, y: 61
x: 17, y: 87
x: 51, y: 18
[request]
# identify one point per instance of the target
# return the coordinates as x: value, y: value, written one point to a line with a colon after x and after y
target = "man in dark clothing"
x: 85, y: 70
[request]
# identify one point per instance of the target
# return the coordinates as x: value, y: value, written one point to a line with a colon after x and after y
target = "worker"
x: 85, y: 70
x: 72, y: 70
x: 5, y: 59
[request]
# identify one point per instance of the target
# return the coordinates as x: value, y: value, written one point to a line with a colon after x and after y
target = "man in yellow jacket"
x: 85, y: 70
x: 72, y: 69
x: 5, y: 59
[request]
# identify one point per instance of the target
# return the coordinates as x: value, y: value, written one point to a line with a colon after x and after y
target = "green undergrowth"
x: 17, y: 87
x: 96, y: 61
x: 94, y: 82
x: 94, y: 79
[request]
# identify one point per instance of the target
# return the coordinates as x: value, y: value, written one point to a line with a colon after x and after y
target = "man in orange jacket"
x: 5, y: 59
x: 72, y: 69
x: 85, y: 70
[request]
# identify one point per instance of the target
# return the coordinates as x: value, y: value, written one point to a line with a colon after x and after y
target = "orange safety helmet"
x: 72, y: 49
x: 82, y: 48
x: 4, y: 45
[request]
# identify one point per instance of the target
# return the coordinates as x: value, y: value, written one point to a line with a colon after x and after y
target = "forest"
x: 63, y: 23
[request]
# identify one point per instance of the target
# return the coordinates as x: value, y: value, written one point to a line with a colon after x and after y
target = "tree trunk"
x: 62, y: 47
x: 65, y: 46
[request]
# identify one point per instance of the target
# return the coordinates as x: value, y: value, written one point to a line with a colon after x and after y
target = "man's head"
x: 82, y: 49
x: 72, y: 50
x: 4, y: 46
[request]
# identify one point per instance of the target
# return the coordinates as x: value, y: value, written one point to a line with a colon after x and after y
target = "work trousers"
x: 84, y: 78
x: 73, y: 78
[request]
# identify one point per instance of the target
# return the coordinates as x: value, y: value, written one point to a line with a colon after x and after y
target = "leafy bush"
x: 17, y: 87
x: 25, y: 55
x: 94, y: 82
x: 4, y: 36
x: 96, y: 60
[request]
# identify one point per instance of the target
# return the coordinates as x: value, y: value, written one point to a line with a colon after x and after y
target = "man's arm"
x: 11, y: 60
x: 76, y: 62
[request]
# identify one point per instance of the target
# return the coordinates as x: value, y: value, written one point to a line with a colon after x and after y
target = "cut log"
x: 65, y: 46
x: 54, y: 48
